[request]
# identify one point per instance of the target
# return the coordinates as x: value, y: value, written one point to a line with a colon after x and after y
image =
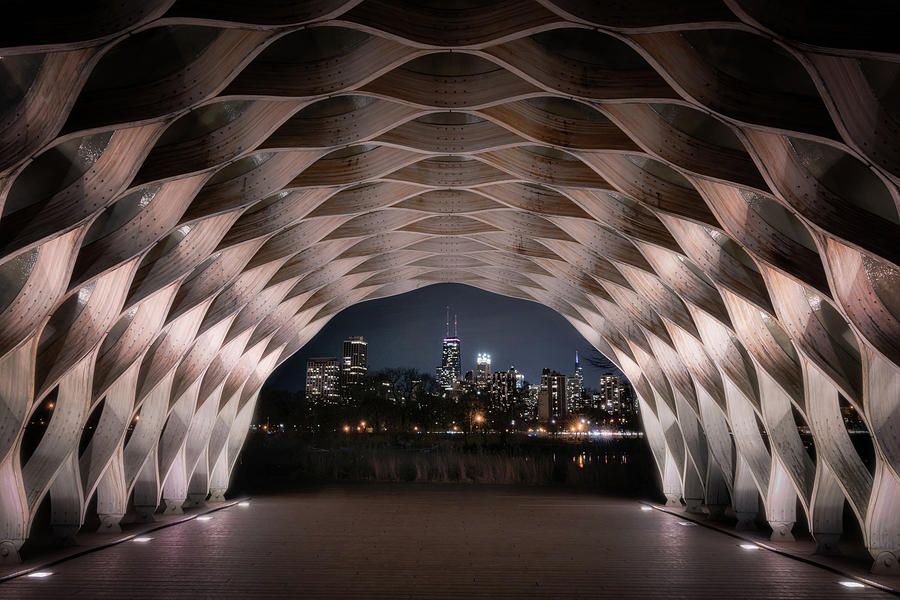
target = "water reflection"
x: 611, y: 465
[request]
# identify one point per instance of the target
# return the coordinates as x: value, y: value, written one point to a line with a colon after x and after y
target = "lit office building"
x: 552, y: 397
x: 520, y: 379
x: 483, y: 371
x: 503, y: 390
x: 575, y: 388
x: 323, y: 380
x: 449, y: 373
x: 468, y: 382
x: 530, y: 400
x: 610, y: 393
x: 354, y: 363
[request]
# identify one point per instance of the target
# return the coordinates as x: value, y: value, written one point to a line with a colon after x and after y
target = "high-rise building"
x: 502, y: 392
x: 449, y: 374
x: 518, y: 377
x: 450, y: 371
x: 531, y: 401
x: 468, y: 382
x: 575, y: 388
x: 483, y: 371
x: 614, y: 397
x: 552, y: 397
x: 323, y: 380
x: 610, y: 393
x: 354, y: 364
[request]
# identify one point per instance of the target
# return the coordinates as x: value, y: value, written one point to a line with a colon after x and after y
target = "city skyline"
x: 407, y: 330
x: 492, y: 400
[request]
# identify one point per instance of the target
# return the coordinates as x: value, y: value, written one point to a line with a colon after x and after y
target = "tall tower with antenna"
x: 575, y: 387
x: 447, y: 323
x: 449, y: 374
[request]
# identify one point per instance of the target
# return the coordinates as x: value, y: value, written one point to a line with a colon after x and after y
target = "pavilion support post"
x: 781, y: 504
x: 175, y: 488
x: 746, y: 497
x: 218, y: 483
x: 146, y: 489
x: 112, y: 495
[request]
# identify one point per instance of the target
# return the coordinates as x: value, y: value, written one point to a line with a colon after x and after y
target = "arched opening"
x: 191, y: 191
x: 398, y: 423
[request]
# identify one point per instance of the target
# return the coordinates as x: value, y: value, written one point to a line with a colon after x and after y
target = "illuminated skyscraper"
x: 552, y: 397
x: 449, y: 374
x: 483, y: 371
x: 354, y: 363
x: 504, y: 390
x: 451, y: 369
x: 575, y: 387
x: 323, y: 380
x: 518, y: 378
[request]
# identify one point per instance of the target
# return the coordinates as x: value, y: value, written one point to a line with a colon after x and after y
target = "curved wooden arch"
x: 709, y: 201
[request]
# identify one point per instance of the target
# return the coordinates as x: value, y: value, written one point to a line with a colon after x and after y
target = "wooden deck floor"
x: 414, y: 541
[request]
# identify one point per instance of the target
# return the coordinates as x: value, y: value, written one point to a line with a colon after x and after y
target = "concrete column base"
x: 65, y: 533
x: 716, y: 511
x: 9, y: 552
x: 173, y: 506
x: 217, y: 495
x: 196, y: 500
x: 827, y: 543
x: 673, y: 500
x: 144, y: 513
x: 746, y: 521
x: 886, y: 563
x: 781, y: 531
x: 110, y: 523
x: 694, y: 505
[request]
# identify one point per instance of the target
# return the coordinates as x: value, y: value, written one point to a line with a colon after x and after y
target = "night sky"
x: 406, y: 331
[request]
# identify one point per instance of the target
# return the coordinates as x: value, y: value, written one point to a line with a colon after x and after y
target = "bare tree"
x: 598, y: 360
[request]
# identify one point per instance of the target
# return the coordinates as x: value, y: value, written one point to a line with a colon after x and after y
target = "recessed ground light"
x: 749, y: 546
x: 42, y: 574
x: 853, y: 584
x: 142, y: 540
x: 245, y: 503
x: 687, y: 524
x: 204, y: 518
x: 646, y: 508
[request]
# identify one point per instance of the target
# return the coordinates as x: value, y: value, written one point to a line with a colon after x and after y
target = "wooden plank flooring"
x: 415, y: 541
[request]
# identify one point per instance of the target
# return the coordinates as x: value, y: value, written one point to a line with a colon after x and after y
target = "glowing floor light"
x: 142, y: 540
x: 749, y: 546
x: 40, y: 574
x: 646, y: 508
x: 851, y: 584
x: 204, y: 518
x: 245, y: 503
x: 687, y: 524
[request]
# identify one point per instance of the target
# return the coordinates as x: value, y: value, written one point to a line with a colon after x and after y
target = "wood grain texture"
x: 707, y: 191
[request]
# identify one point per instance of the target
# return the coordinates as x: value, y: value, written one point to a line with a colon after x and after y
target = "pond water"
x: 621, y: 466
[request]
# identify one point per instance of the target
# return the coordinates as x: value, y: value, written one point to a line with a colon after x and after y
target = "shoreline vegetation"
x: 280, y: 462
